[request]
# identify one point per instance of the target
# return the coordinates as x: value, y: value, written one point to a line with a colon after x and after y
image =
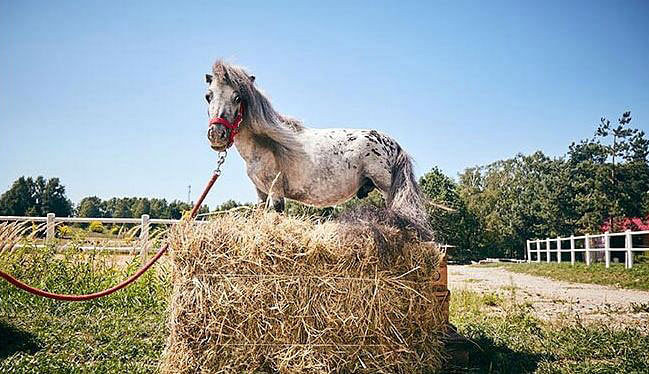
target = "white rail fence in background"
x: 144, y: 224
x: 590, y: 245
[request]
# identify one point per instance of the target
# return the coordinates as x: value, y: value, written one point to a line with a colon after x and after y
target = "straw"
x: 262, y: 292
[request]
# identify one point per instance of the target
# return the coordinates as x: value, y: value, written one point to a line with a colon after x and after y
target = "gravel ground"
x: 552, y: 298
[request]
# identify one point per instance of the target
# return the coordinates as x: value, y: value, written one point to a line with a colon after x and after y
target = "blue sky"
x: 108, y: 95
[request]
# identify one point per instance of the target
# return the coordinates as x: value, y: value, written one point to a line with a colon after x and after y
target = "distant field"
x: 617, y: 276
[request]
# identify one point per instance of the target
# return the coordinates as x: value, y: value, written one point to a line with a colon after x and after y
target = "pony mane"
x: 260, y: 116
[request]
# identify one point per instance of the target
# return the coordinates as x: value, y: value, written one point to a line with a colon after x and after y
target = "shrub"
x: 114, y: 230
x: 642, y: 259
x: 65, y: 231
x: 96, y: 226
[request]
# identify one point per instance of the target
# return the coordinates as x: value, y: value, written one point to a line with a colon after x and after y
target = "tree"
x: 492, y: 195
x: 533, y: 196
x: 295, y: 208
x: 29, y: 197
x: 227, y: 205
x: 177, y: 208
x: 449, y: 217
x: 54, y: 199
x: 610, y: 174
x: 118, y: 208
x: 19, y: 198
x: 91, y: 207
x: 142, y: 206
x: 159, y: 208
x: 517, y: 199
x: 40, y: 200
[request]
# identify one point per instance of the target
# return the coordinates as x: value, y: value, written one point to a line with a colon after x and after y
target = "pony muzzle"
x: 223, y: 131
x: 218, y: 136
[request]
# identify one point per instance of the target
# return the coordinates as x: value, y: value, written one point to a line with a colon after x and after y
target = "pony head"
x: 229, y: 91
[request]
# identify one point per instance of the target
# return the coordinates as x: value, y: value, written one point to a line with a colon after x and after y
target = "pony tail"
x: 405, y: 199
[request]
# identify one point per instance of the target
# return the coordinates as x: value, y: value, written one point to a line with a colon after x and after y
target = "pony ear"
x: 208, y: 78
x: 252, y: 79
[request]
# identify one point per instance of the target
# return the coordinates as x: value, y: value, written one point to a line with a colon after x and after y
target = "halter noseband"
x: 233, y: 127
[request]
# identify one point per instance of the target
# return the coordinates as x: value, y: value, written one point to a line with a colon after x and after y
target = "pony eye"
x: 236, y: 99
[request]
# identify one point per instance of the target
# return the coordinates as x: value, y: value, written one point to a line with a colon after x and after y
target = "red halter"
x: 233, y: 127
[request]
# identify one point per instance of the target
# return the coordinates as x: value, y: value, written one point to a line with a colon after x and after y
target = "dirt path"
x: 550, y: 298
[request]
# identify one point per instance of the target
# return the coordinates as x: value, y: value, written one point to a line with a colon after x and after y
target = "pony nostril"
x: 215, y: 133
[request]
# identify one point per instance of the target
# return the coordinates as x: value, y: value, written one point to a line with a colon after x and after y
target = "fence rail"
x: 144, y: 222
x: 591, y: 244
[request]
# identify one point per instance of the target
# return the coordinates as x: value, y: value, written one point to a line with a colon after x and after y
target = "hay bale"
x: 262, y: 292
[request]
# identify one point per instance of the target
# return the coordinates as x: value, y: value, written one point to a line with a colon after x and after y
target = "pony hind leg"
x: 366, y: 187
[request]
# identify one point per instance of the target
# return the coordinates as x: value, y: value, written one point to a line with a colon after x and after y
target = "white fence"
x: 591, y: 244
x: 144, y: 224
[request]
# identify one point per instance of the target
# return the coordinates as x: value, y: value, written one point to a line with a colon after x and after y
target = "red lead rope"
x: 119, y: 286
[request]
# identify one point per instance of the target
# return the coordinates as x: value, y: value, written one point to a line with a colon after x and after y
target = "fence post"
x: 529, y: 251
x: 558, y: 249
x: 538, y: 250
x: 547, y: 250
x: 607, y: 250
x: 587, y: 249
x: 49, y: 231
x: 628, y: 245
x: 572, y: 249
x: 144, y: 237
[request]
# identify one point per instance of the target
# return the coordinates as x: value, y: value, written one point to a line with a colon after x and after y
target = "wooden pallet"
x: 440, y: 282
x: 458, y: 347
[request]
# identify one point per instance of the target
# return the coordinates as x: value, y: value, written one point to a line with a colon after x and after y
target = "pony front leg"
x: 277, y: 203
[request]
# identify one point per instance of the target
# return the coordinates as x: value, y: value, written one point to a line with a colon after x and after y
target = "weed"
x: 492, y: 299
x: 511, y: 288
x: 639, y: 307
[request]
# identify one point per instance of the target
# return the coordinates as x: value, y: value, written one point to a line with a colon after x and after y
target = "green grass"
x: 126, y: 332
x: 121, y: 333
x: 513, y: 341
x: 636, y: 277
